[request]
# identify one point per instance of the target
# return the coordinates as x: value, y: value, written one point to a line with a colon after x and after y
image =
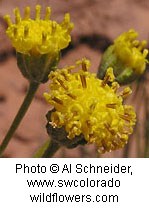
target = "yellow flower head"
x: 38, y: 36
x: 89, y: 106
x: 131, y: 51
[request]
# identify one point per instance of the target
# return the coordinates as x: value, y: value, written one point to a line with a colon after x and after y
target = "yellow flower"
x: 131, y: 51
x: 86, y: 105
x: 38, y: 36
x: 127, y: 56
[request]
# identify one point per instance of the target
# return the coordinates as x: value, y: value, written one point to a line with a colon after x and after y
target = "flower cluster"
x: 86, y: 105
x: 131, y: 51
x: 88, y: 108
x: 38, y: 36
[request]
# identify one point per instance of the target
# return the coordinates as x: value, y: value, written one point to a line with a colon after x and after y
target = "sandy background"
x: 97, y: 23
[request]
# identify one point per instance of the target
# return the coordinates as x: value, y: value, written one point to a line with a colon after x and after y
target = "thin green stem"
x: 47, y: 150
x: 41, y: 150
x: 21, y: 113
x: 126, y: 151
x: 146, y: 150
x: 138, y: 139
x: 51, y: 150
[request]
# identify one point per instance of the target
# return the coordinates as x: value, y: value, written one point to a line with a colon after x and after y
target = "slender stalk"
x: 39, y: 153
x: 146, y: 150
x: 138, y: 139
x: 21, y: 113
x: 51, y: 150
x: 138, y: 93
x: 126, y: 150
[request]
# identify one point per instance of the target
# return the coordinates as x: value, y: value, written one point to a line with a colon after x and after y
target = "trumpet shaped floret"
x: 38, y: 36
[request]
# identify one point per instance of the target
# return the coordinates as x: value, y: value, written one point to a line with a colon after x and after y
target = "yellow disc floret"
x: 38, y: 36
x: 131, y: 51
x: 89, y: 106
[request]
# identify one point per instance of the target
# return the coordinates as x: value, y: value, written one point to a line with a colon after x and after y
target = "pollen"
x: 40, y: 36
x: 90, y: 107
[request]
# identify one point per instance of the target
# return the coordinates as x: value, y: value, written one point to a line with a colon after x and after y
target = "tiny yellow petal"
x: 27, y: 13
x: 8, y: 20
x: 38, y: 9
x: 48, y: 13
x: 17, y: 15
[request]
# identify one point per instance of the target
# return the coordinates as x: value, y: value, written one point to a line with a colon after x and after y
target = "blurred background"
x: 97, y: 23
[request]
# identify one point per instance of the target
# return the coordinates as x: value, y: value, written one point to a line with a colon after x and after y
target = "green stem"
x: 126, y: 150
x: 146, y: 150
x: 52, y: 148
x: 21, y: 113
x: 47, y: 150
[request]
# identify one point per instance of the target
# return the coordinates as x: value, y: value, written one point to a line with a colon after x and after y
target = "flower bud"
x: 127, y: 57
